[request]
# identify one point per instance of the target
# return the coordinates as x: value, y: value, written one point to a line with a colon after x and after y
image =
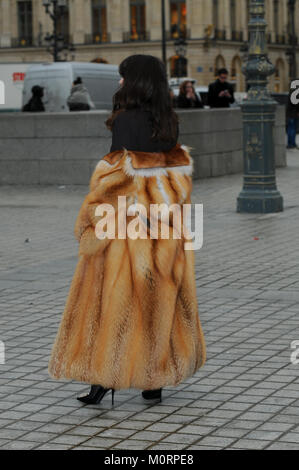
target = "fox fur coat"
x: 131, y: 316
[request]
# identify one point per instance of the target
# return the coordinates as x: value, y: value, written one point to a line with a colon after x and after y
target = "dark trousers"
x: 291, y: 130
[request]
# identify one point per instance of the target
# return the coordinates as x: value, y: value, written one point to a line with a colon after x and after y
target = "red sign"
x: 18, y: 76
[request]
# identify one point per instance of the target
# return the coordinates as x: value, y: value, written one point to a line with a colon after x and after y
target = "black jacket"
x: 184, y: 102
x: 34, y: 105
x: 292, y: 110
x: 132, y: 129
x: 216, y: 101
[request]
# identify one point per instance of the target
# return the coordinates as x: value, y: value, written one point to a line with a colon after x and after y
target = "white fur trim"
x: 157, y: 171
x: 162, y: 190
x: 182, y: 191
x: 184, y: 169
x: 103, y: 163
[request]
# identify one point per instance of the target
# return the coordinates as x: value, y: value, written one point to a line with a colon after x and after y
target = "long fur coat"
x: 131, y: 317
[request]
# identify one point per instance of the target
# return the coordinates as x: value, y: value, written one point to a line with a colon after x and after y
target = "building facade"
x: 109, y: 30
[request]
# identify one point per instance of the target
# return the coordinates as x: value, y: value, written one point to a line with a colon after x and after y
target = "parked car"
x: 101, y: 80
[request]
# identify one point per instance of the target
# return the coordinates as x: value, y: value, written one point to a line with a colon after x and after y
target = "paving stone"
x: 247, y: 275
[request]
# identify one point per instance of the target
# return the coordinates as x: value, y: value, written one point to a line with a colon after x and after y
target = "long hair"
x: 146, y: 87
x: 183, y: 87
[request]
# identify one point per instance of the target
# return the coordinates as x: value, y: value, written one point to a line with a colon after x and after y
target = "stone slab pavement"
x: 246, y: 396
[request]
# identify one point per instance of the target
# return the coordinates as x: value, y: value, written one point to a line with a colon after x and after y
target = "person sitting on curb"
x: 79, y: 99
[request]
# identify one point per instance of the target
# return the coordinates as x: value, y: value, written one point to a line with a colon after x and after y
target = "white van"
x: 12, y: 75
x: 101, y: 80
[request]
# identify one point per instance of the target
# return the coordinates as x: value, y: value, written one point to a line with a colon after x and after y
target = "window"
x: 137, y: 17
x: 247, y: 11
x: 25, y: 23
x: 178, y: 23
x: 99, y: 21
x: 276, y: 17
x: 233, y: 15
x: 63, y: 24
x: 215, y: 14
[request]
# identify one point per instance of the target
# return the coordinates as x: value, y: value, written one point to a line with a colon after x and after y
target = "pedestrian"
x: 221, y: 92
x: 188, y: 98
x: 79, y: 99
x: 35, y: 104
x: 131, y: 316
x: 292, y: 115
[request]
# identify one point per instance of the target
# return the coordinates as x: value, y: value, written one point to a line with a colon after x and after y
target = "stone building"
x: 109, y: 30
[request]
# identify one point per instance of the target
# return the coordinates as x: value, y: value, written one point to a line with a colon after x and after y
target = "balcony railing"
x: 237, y: 36
x: 141, y: 36
x: 24, y: 41
x: 280, y: 39
x: 292, y: 40
x: 220, y: 34
x: 97, y: 38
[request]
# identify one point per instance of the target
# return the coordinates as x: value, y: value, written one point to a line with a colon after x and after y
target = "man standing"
x: 292, y: 115
x: 221, y: 93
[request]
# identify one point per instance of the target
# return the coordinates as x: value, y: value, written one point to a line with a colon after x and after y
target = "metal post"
x: 292, y: 36
x: 163, y: 32
x: 259, y: 194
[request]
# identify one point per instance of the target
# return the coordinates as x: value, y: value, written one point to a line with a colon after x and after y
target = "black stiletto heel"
x: 152, y: 394
x: 96, y: 394
x: 112, y: 391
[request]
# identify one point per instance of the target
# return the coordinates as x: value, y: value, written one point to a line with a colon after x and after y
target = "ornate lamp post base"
x: 259, y: 194
x: 263, y: 202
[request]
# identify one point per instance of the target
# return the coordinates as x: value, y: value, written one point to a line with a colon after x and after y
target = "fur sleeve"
x: 107, y: 183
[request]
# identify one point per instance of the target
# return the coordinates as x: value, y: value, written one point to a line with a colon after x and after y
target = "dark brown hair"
x: 146, y: 87
x: 183, y: 87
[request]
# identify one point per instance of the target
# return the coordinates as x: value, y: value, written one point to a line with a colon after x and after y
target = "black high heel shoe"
x: 152, y: 394
x: 96, y: 394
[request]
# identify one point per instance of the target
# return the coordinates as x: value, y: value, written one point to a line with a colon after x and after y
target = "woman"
x: 131, y: 317
x: 79, y: 99
x: 188, y: 98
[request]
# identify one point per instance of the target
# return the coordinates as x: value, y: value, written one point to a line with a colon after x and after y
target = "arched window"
x: 219, y: 64
x: 137, y: 20
x: 178, y: 19
x: 237, y: 76
x: 178, y: 66
x: 280, y: 76
x: 99, y: 21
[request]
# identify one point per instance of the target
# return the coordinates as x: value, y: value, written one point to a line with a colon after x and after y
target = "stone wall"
x: 64, y: 148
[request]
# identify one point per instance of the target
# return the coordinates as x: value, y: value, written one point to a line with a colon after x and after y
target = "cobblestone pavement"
x: 246, y: 396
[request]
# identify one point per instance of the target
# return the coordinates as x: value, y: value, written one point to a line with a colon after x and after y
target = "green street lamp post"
x: 163, y: 32
x: 259, y: 194
x: 57, y: 42
x: 291, y: 52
